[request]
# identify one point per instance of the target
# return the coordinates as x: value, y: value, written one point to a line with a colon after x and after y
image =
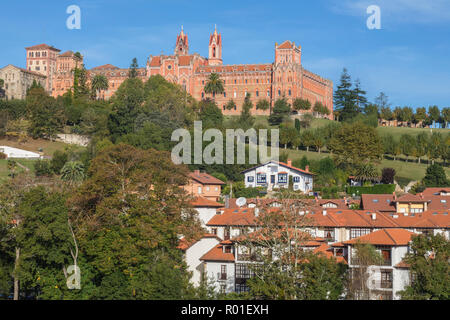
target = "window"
x: 203, y: 94
x: 386, y: 279
x: 416, y: 210
x: 279, y: 92
x: 296, y: 179
x: 199, y: 190
x: 282, y: 178
x: 224, y: 94
x: 329, y: 234
x: 250, y: 179
x: 227, y: 249
x: 223, y: 272
x: 358, y: 232
x: 261, y: 178
x: 207, y: 188
x: 289, y: 91
x: 214, y: 231
x: 257, y: 93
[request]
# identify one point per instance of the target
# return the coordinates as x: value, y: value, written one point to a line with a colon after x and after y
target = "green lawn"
x: 33, y: 145
x: 4, y: 167
x: 408, y: 170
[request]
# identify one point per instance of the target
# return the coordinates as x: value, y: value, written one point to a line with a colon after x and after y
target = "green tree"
x: 435, y: 177
x: 214, y: 85
x: 133, y: 72
x: 420, y: 115
x: 434, y: 113
x: 359, y: 95
x: 421, y: 145
x: 73, y: 172
x: 262, y: 104
x: 408, y: 145
x: 99, y: 83
x: 301, y: 104
x: 429, y: 268
x: 210, y: 114
x: 246, y: 120
x: 280, y: 111
x: 344, y: 98
x: 230, y: 105
x: 356, y: 143
x: 58, y: 161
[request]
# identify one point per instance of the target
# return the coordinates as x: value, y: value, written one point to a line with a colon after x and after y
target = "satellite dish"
x: 241, y: 201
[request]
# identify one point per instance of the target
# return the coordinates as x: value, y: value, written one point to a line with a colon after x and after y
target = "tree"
x: 345, y: 99
x: 58, y: 161
x: 230, y: 105
x: 210, y: 114
x: 371, y: 109
x: 420, y: 115
x: 320, y: 109
x: 382, y: 102
x: 359, y: 95
x: 386, y: 113
x: 407, y: 144
x: 301, y: 104
x: 132, y: 72
x: 72, y: 172
x: 356, y: 143
x: 435, y: 177
x: 80, y: 88
x: 388, y: 175
x: 214, y: 85
x: 128, y: 215
x: 366, y: 172
x: 434, y: 113
x: 99, y: 83
x: 421, y: 145
x: 280, y: 111
x: 446, y: 116
x: 262, y: 104
x: 365, y: 255
x: 429, y: 268
x: 307, y: 139
x: 246, y: 120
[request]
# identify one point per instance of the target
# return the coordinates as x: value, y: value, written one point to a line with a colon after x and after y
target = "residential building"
x: 63, y: 79
x: 17, y: 81
x: 274, y: 175
x: 204, y: 185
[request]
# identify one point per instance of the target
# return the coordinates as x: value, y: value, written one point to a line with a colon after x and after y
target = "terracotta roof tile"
x: 217, y: 254
x: 233, y: 217
x: 285, y: 45
x: 388, y: 237
x: 203, y: 202
x: 378, y: 202
x: 435, y: 191
x: 205, y: 178
x: 183, y: 244
x: 42, y: 46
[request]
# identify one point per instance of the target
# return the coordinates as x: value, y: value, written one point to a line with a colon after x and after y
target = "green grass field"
x: 4, y: 167
x: 33, y: 145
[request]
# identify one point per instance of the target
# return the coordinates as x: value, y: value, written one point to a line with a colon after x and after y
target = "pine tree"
x: 344, y: 98
x: 132, y: 73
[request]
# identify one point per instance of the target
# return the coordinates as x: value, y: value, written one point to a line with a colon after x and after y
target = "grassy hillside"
x: 48, y: 147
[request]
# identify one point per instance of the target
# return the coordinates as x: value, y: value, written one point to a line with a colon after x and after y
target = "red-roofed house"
x: 204, y: 185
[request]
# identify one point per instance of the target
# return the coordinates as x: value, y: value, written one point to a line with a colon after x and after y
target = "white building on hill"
x: 19, y: 153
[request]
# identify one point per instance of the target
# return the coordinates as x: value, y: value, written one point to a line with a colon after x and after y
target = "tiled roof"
x: 184, y: 244
x: 25, y: 70
x: 184, y: 60
x: 435, y: 191
x: 233, y: 217
x: 217, y: 254
x: 235, y: 68
x: 105, y: 67
x: 42, y: 46
x: 281, y: 164
x: 205, y: 178
x: 155, y: 62
x: 388, y: 237
x: 408, y: 197
x: 326, y: 250
x: 402, y: 264
x: 378, y: 202
x: 203, y: 202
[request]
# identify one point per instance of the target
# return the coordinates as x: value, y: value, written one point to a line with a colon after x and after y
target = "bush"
x: 376, y: 189
x: 2, y: 156
x: 58, y: 161
x: 42, y: 168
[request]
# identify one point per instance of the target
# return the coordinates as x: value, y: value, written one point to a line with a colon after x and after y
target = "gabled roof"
x: 408, y: 197
x: 201, y: 202
x: 378, y: 202
x: 105, y: 67
x: 25, y: 70
x: 184, y: 60
x: 233, y: 217
x: 205, y: 178
x: 217, y: 254
x: 183, y: 244
x: 387, y: 237
x: 285, y: 45
x: 280, y: 164
x: 435, y: 191
x: 155, y: 62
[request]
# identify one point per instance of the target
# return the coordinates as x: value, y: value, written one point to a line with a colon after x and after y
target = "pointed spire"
x: 182, y: 30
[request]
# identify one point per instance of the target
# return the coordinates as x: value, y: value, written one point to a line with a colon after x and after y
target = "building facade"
x: 285, y: 77
x: 17, y: 81
x: 64, y: 75
x: 42, y: 59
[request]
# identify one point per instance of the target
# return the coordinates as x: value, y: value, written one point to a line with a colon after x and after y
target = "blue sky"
x: 408, y: 59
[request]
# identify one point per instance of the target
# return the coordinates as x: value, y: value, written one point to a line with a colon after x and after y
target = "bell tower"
x: 182, y: 45
x: 215, y: 49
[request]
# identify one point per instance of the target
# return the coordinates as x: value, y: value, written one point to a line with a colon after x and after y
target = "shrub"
x: 2, y: 156
x: 42, y: 168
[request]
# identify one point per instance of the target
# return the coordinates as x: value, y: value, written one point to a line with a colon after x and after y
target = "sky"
x: 408, y: 58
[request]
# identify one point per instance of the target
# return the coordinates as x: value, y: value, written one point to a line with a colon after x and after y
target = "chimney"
x: 307, y: 168
x: 374, y: 216
x: 324, y: 212
x: 289, y: 163
x: 197, y: 172
x: 345, y: 200
x: 316, y: 199
x: 227, y: 201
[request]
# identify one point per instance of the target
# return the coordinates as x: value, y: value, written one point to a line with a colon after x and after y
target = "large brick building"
x: 284, y: 77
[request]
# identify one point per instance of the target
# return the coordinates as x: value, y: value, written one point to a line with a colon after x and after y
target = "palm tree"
x: 366, y: 172
x: 99, y: 83
x: 72, y: 172
x: 214, y: 84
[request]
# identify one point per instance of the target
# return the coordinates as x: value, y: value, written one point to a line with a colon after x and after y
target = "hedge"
x: 376, y: 189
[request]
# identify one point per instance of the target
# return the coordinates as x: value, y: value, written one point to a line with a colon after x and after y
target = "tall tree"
x: 280, y: 111
x: 262, y: 104
x: 435, y: 177
x: 359, y: 95
x: 344, y: 98
x: 133, y: 72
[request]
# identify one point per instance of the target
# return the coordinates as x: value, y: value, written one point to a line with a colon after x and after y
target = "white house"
x: 274, y: 175
x: 19, y: 153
